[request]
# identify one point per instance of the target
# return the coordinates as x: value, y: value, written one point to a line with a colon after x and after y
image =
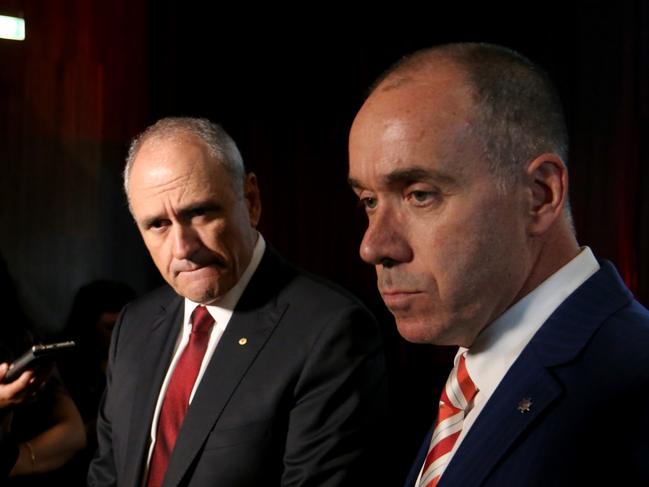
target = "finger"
x: 42, y: 374
x: 21, y: 383
x: 35, y: 384
x: 14, y: 392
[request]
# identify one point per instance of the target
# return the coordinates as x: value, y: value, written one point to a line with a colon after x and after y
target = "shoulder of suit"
x: 297, y: 282
x: 160, y: 298
x: 315, y: 293
x: 628, y: 325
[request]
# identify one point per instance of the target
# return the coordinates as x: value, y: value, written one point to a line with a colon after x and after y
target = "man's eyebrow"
x: 184, y: 212
x: 413, y: 174
x: 408, y: 175
x: 354, y: 183
x: 207, y: 205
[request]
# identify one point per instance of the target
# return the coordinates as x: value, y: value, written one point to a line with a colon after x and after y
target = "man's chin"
x: 419, y: 330
x: 203, y: 293
x: 207, y: 297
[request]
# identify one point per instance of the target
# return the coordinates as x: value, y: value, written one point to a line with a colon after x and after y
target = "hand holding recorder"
x: 36, y: 357
x: 15, y: 384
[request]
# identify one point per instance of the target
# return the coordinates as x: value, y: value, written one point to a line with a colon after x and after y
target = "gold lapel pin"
x: 243, y: 341
x: 524, y: 405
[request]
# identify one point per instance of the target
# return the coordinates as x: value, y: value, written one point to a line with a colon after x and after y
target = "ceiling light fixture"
x: 12, y: 28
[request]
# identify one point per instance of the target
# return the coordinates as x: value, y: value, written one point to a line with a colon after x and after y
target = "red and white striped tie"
x: 456, y: 397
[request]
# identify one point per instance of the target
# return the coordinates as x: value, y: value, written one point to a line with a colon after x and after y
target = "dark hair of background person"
x: 89, y: 325
x: 94, y: 310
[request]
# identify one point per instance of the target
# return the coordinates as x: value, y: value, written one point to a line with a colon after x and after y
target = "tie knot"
x: 202, y: 320
x: 464, y: 381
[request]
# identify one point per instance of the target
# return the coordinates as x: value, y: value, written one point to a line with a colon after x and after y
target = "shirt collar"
x: 499, y: 344
x: 227, y: 303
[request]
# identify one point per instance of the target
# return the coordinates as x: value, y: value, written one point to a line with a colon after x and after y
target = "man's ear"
x: 547, y: 177
x: 252, y: 198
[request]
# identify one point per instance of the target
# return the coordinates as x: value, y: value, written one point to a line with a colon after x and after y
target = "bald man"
x: 458, y: 157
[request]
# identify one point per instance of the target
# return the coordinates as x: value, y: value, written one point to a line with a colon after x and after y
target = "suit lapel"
x: 561, y: 338
x: 419, y: 460
x: 256, y: 316
x: 497, y: 427
x: 156, y: 355
x: 504, y: 418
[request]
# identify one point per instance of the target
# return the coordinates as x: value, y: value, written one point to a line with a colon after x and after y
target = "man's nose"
x: 185, y: 241
x: 385, y: 241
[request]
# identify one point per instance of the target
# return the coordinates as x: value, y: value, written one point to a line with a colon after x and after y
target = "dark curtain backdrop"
x: 286, y: 85
x: 71, y: 94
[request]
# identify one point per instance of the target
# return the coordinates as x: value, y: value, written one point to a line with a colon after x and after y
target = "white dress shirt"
x: 221, y: 312
x: 498, y: 346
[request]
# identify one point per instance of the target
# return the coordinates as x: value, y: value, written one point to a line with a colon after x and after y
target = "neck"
x: 550, y: 254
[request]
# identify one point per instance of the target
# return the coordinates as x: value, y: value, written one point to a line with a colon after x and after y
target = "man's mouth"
x: 398, y: 298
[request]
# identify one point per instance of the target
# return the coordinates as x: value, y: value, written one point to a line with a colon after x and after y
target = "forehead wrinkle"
x: 168, y: 191
x: 164, y: 186
x: 416, y: 173
x: 163, y: 174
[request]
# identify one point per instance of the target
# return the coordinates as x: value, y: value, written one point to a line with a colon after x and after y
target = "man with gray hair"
x: 458, y: 157
x: 243, y: 371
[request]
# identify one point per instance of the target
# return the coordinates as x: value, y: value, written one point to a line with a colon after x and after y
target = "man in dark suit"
x: 288, y: 387
x: 458, y: 158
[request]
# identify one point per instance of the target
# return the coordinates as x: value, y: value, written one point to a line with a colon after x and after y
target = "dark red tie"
x: 176, y: 399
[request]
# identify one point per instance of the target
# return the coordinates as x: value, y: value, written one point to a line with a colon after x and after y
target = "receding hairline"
x: 211, y: 136
x: 175, y: 136
x: 423, y: 76
x: 416, y: 66
x: 465, y: 60
x: 171, y: 134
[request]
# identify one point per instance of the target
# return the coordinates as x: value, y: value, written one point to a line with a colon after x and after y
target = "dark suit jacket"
x: 586, y: 372
x: 296, y: 405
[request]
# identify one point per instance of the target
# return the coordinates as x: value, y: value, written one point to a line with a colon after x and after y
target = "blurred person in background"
x: 40, y: 426
x: 93, y: 314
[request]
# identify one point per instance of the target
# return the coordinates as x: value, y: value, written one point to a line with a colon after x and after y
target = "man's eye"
x: 368, y: 203
x: 198, y: 211
x: 419, y: 197
x: 158, y: 224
